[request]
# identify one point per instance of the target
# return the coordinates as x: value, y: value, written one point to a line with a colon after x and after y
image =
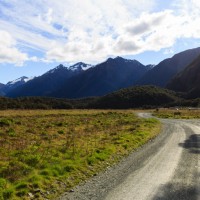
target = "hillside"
x: 104, y: 78
x: 188, y: 80
x: 136, y: 97
x: 133, y: 97
x: 161, y: 74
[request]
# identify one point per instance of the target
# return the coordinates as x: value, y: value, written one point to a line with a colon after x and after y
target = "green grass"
x: 44, y: 153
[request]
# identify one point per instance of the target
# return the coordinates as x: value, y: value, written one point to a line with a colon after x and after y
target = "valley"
x: 99, y: 100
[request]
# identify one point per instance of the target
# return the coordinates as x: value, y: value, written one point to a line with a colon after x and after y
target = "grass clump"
x: 7, y: 194
x: 5, y: 122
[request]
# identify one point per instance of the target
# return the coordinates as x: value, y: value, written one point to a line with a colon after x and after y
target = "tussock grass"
x: 43, y: 153
x: 183, y: 113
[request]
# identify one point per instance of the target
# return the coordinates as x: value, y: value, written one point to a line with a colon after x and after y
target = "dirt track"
x: 167, y: 168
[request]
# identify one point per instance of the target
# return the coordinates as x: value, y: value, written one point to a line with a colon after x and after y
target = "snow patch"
x: 80, y: 66
x: 56, y: 68
x: 21, y: 79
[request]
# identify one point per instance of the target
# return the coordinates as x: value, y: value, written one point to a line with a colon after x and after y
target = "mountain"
x: 188, y: 80
x: 80, y: 66
x: 11, y: 85
x: 48, y: 82
x: 109, y: 76
x: 83, y: 80
x: 18, y: 82
x: 161, y: 74
x: 1, y: 85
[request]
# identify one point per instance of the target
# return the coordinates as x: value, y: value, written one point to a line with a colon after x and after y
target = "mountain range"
x: 76, y: 82
x: 84, y: 80
x: 104, y: 78
x: 48, y: 82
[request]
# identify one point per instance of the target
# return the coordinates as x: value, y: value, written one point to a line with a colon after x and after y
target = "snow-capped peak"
x: 56, y: 68
x: 23, y: 79
x: 80, y: 66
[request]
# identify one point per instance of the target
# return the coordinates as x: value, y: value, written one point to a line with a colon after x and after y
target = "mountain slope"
x: 48, y: 82
x: 1, y: 85
x: 188, y: 80
x: 161, y: 74
x: 11, y: 85
x: 104, y: 78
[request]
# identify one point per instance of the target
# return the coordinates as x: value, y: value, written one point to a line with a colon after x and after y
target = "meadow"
x: 46, y: 152
x: 183, y: 113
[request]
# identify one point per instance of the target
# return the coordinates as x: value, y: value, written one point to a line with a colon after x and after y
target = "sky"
x: 36, y: 36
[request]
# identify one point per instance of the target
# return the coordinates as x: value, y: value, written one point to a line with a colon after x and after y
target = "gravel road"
x: 167, y: 168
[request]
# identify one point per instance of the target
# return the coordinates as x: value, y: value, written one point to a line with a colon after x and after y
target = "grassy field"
x: 178, y: 114
x: 43, y: 153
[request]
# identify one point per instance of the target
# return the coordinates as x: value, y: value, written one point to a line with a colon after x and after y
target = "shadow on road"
x: 174, y: 192
x: 192, y: 144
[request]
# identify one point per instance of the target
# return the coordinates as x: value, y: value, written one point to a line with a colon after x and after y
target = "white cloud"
x: 70, y: 31
x: 8, y: 52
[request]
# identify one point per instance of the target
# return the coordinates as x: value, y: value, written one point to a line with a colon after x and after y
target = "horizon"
x: 38, y: 37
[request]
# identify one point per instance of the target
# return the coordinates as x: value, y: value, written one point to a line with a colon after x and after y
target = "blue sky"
x: 36, y: 36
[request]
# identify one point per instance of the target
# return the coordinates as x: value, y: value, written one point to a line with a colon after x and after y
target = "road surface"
x: 166, y: 169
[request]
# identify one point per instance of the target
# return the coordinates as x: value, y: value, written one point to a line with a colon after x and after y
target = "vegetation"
x: 178, y: 114
x: 43, y: 153
x: 133, y: 97
x: 136, y: 97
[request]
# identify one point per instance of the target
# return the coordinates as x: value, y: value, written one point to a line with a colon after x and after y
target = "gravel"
x: 164, y: 168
